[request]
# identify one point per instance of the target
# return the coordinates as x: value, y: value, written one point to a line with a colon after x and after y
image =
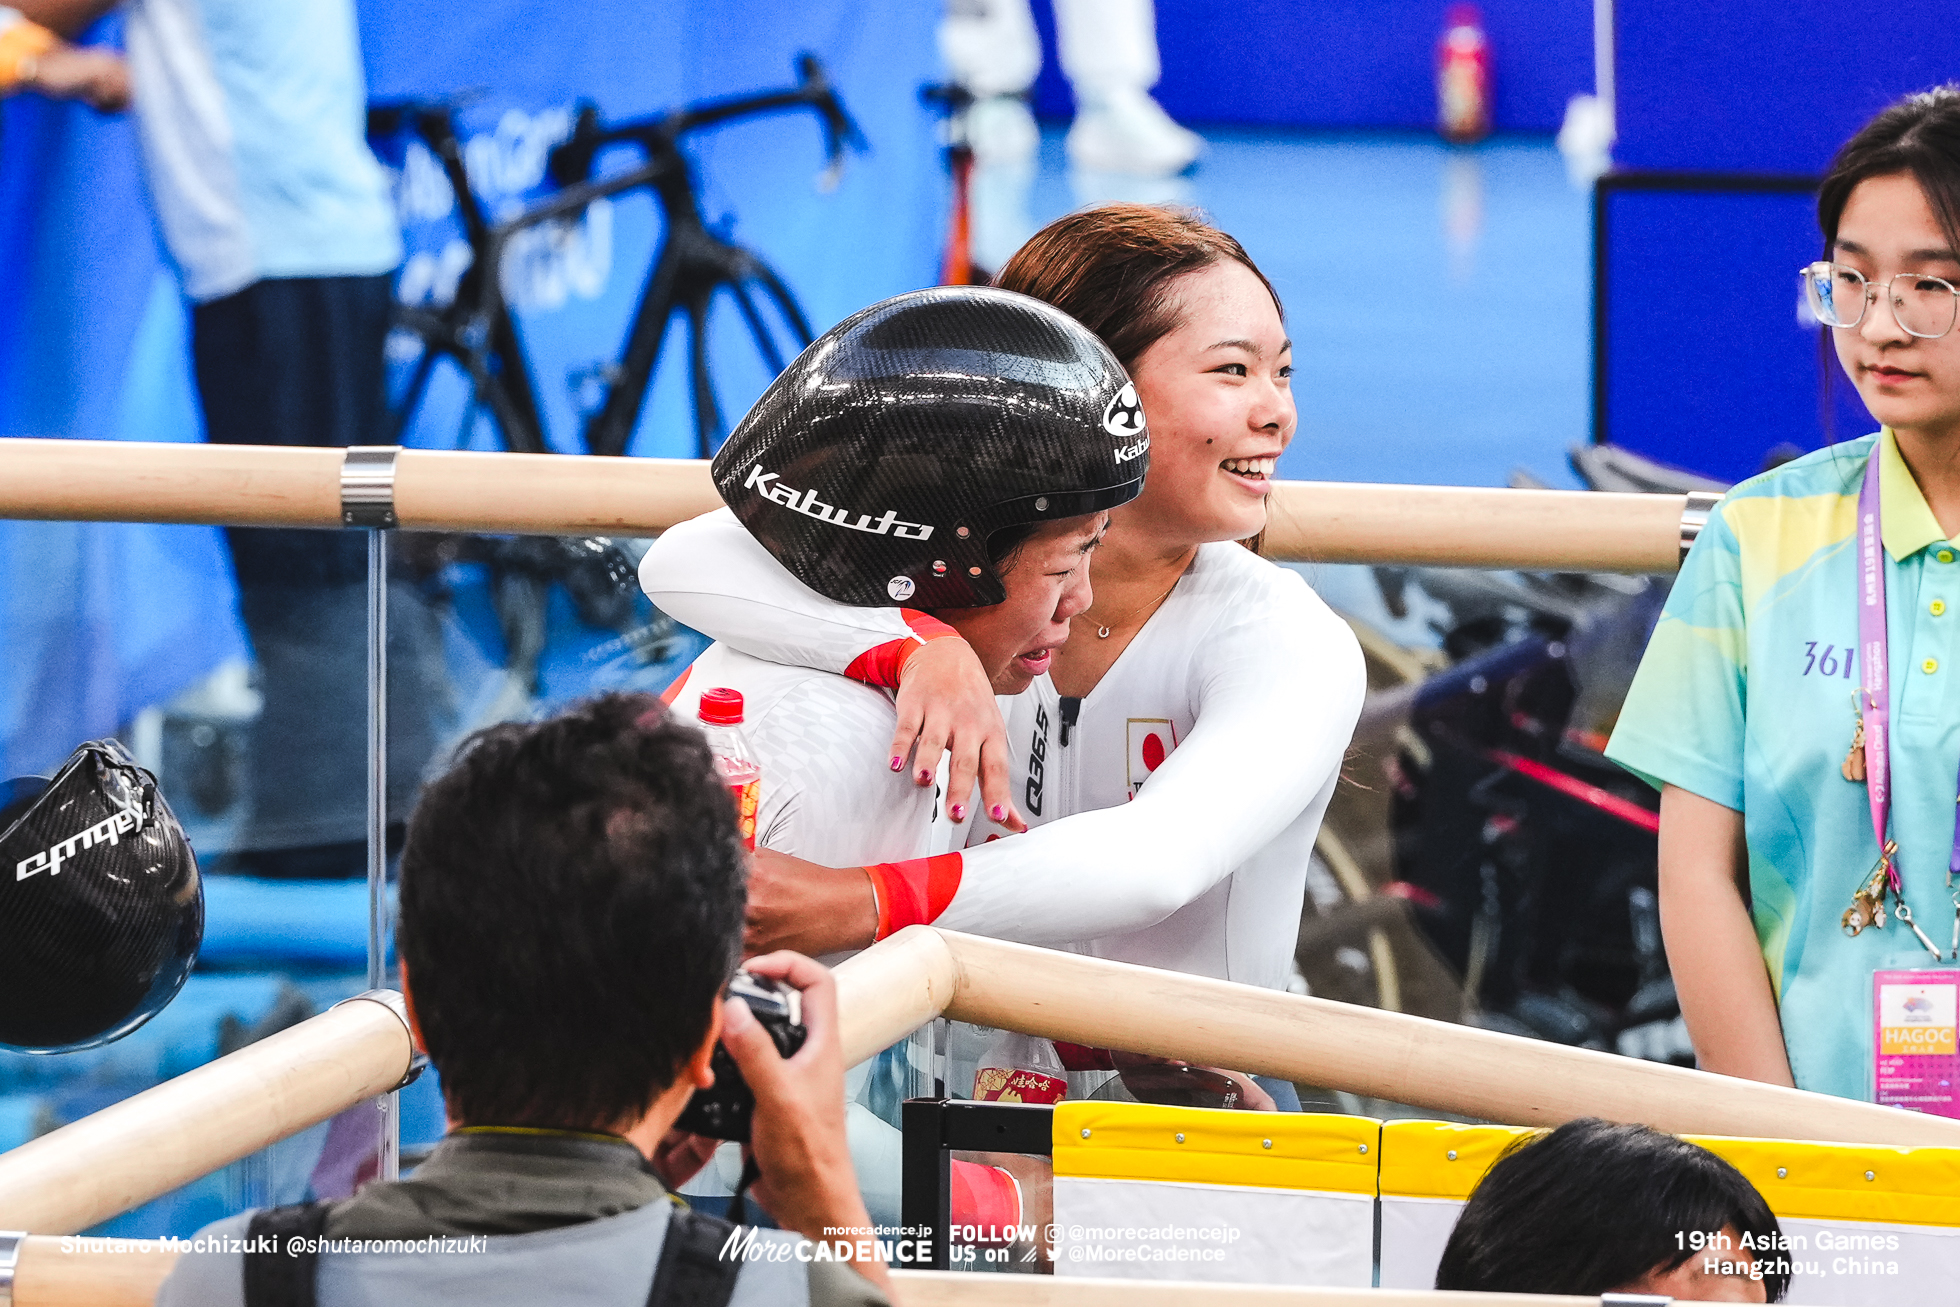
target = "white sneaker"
x: 1128, y: 132
x: 1586, y: 140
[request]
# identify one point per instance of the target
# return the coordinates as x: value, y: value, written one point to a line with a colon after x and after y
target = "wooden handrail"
x: 130, y: 1153
x: 136, y: 1150
x: 1406, y: 1059
x: 548, y: 494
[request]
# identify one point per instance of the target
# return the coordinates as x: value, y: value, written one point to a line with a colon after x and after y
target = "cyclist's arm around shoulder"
x: 1278, y: 685
x: 711, y: 574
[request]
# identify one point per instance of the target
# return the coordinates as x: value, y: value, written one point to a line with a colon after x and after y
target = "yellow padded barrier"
x: 1865, y: 1226
x: 1824, y: 1182
x: 1827, y: 1182
x: 1273, y: 1150
x: 1153, y: 1193
x: 1437, y: 1159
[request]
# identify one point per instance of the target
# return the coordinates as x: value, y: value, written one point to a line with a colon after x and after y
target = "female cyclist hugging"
x: 1175, y: 755
x: 947, y: 446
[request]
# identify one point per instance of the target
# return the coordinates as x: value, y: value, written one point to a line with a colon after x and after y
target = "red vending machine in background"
x: 1463, y: 92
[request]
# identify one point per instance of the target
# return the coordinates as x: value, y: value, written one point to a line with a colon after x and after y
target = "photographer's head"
x: 1595, y: 1208
x: 571, y: 908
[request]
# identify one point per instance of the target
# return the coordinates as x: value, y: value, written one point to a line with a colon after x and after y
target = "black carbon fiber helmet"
x: 101, y: 905
x: 879, y: 463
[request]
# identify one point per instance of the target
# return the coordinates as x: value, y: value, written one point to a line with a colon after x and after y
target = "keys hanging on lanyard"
x: 1868, y: 904
x: 1853, y: 769
x: 1869, y: 759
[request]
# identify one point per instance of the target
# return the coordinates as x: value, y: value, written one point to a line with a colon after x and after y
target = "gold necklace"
x: 1102, y: 632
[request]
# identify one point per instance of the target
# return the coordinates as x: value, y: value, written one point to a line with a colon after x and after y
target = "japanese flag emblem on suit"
x: 1151, y: 740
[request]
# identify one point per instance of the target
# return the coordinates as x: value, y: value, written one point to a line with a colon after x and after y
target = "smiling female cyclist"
x: 1176, y: 759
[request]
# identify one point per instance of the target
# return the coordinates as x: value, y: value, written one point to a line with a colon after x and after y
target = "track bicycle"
x: 477, y: 331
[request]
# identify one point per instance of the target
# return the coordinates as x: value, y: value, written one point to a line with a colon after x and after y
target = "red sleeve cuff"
x: 914, y: 892
x: 883, y: 664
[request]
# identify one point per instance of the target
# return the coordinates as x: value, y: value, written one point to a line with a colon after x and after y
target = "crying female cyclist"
x: 952, y: 449
x: 1176, y: 757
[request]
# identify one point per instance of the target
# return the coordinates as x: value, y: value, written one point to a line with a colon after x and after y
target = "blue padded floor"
x: 1439, y: 299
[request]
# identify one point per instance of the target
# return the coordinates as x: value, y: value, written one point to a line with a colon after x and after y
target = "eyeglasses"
x: 1923, y: 306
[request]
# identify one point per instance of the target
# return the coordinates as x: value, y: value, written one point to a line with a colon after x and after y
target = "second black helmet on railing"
x: 101, y: 904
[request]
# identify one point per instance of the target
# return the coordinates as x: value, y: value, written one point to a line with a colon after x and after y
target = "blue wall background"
x: 99, y: 619
x: 1705, y: 362
x: 1768, y: 87
x: 877, y: 234
x: 1347, y: 63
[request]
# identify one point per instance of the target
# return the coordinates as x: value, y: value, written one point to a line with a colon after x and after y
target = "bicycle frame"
x: 478, y: 330
x: 693, y: 262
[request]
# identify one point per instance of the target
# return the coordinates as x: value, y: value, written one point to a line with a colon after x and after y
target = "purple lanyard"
x: 1874, y: 650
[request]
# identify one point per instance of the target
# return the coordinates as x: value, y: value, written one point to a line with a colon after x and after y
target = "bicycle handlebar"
x: 571, y: 162
x: 433, y: 119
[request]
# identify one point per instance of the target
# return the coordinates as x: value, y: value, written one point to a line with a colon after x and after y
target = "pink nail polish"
x: 898, y: 763
x: 925, y: 777
x: 959, y: 812
x: 999, y: 813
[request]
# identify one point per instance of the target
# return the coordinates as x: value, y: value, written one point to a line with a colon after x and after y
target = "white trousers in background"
x: 991, y: 46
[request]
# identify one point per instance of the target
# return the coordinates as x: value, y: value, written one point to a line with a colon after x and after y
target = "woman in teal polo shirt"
x: 1803, y: 684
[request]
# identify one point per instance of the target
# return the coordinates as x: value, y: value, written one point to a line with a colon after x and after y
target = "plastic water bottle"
x: 721, y: 721
x: 1463, y: 90
x: 1017, y: 1068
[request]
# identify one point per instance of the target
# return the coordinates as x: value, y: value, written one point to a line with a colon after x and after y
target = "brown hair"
x: 1111, y: 269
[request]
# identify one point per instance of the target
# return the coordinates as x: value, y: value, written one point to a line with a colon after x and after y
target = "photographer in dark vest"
x: 572, y: 895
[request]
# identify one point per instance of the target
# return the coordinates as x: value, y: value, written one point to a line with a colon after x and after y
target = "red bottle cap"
x: 721, y: 706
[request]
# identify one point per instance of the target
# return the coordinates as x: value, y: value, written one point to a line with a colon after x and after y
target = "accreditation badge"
x: 1915, y: 1062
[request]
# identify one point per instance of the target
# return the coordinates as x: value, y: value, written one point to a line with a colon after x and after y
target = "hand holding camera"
x: 779, y: 1088
x: 723, y: 1110
x: 796, y: 1132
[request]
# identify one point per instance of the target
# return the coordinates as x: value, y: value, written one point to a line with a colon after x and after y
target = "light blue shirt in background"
x: 253, y: 115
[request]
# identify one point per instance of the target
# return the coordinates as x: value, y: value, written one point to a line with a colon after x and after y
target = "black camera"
x: 722, y: 1110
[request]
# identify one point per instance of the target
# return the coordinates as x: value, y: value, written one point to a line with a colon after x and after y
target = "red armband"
x: 883, y: 665
x: 984, y: 1197
x: 914, y: 892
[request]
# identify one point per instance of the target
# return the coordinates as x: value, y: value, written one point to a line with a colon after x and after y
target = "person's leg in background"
x: 299, y: 361
x: 1109, y: 52
x: 993, y: 52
